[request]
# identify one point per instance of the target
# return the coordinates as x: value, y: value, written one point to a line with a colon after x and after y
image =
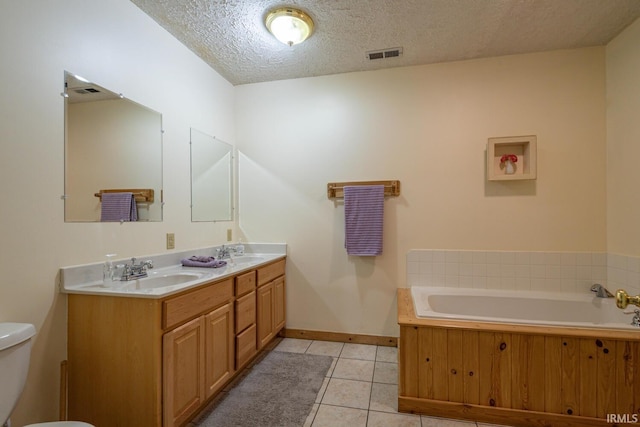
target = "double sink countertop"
x: 168, y: 276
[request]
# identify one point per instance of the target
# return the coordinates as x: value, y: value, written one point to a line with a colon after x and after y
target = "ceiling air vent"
x: 384, y: 53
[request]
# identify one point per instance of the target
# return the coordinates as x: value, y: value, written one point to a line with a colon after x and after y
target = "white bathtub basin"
x: 525, y: 307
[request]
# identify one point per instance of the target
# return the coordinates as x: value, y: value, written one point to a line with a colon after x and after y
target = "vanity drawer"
x: 245, y: 283
x: 245, y: 346
x: 245, y: 311
x: 186, y: 306
x: 270, y: 272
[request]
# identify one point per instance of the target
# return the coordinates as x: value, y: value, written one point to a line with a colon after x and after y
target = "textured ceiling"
x: 231, y: 37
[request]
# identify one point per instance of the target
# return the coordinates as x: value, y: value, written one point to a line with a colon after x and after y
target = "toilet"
x: 15, y: 351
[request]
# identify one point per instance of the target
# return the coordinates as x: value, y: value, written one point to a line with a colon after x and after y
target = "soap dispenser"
x: 108, y: 270
x: 240, y: 248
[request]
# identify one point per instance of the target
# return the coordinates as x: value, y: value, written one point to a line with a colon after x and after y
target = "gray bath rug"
x: 278, y: 392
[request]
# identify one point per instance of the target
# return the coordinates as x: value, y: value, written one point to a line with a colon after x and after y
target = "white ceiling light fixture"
x: 290, y: 26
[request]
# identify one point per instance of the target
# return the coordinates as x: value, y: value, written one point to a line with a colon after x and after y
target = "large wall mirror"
x: 211, y: 178
x: 112, y: 145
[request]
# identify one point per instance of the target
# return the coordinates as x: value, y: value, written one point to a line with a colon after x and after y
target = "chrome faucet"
x: 601, y: 291
x: 224, y: 252
x: 635, y: 321
x: 135, y: 271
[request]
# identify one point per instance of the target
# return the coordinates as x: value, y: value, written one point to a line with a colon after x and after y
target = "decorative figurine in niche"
x: 508, y: 162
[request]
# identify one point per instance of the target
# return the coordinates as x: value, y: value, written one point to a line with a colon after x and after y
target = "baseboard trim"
x: 339, y: 337
x: 494, y: 415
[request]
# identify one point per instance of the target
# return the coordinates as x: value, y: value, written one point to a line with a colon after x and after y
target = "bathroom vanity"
x: 156, y: 360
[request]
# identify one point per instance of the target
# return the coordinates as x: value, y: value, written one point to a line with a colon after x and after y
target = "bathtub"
x: 522, y: 307
x: 519, y: 358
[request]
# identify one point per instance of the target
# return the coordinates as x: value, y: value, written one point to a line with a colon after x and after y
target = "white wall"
x: 428, y: 127
x: 623, y: 143
x: 116, y: 45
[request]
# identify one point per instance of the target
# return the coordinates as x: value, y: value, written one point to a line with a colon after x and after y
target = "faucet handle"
x: 623, y: 299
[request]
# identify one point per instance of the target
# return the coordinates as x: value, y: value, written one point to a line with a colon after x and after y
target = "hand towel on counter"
x: 363, y: 217
x: 118, y: 207
x: 203, y: 261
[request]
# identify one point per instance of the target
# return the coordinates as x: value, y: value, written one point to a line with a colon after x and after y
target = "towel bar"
x: 335, y: 190
x: 144, y: 195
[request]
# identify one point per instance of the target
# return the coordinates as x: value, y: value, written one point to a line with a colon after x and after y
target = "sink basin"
x: 155, y: 281
x: 163, y: 280
x: 244, y: 259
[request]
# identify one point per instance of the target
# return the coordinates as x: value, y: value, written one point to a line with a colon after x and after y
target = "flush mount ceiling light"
x: 290, y: 26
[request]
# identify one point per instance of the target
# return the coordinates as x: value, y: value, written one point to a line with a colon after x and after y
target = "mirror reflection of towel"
x: 118, y: 207
x: 363, y: 217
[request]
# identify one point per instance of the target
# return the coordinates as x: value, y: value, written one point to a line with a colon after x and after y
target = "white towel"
x: 363, y: 217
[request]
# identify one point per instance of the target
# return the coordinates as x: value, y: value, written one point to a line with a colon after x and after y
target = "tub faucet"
x: 623, y: 299
x: 601, y: 291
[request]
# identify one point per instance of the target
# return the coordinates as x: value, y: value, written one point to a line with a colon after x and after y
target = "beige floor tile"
x: 444, y: 422
x: 385, y: 419
x: 337, y: 416
x: 387, y: 354
x: 325, y: 348
x: 354, y: 369
x: 384, y: 397
x: 359, y: 351
x: 350, y: 393
x: 343, y: 399
x: 386, y: 373
x: 293, y: 345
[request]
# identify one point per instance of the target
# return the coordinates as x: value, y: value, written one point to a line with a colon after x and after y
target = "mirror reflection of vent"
x: 384, y: 53
x: 86, y: 90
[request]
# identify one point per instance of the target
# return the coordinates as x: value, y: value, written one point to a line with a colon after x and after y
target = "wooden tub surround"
x: 517, y: 375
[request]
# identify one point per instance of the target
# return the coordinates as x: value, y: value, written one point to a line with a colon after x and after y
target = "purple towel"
x: 363, y: 217
x: 118, y: 207
x: 203, y: 261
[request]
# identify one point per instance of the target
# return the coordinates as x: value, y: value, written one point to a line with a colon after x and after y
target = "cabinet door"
x: 278, y: 304
x: 183, y: 370
x: 219, y: 348
x: 265, y: 314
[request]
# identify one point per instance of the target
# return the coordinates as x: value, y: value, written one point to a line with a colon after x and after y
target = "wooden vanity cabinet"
x: 156, y: 362
x: 197, y: 362
x: 270, y: 301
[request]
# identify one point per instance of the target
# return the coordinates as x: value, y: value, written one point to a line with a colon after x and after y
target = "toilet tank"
x: 15, y: 350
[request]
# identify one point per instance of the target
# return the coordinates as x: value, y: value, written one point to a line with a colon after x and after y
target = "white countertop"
x: 87, y: 279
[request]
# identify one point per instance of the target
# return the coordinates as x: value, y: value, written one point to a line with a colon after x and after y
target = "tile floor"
x: 361, y: 388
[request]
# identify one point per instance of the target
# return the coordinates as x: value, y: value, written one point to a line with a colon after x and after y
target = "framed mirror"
x: 211, y: 178
x: 112, y: 145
